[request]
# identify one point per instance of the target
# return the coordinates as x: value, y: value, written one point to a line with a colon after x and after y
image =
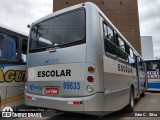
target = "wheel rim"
x: 132, y: 100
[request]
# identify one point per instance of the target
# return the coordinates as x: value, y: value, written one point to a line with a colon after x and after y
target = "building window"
x: 102, y: 2
x: 66, y: 2
x: 120, y: 2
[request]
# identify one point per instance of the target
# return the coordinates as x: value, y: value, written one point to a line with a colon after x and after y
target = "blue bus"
x: 153, y: 74
x: 13, y: 49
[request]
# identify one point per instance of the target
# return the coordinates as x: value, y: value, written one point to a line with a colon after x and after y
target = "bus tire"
x: 130, y: 106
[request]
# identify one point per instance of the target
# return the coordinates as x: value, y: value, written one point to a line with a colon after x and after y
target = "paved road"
x: 147, y: 105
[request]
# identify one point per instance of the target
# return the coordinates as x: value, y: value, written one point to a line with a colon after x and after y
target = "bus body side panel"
x: 135, y: 83
x: 13, y: 80
x: 116, y: 82
x: 2, y: 97
x: 117, y: 85
x: 142, y: 81
x: 140, y: 78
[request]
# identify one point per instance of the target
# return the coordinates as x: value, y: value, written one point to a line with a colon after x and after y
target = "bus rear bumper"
x: 86, y: 105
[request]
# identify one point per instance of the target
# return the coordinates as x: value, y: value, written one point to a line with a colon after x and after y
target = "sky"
x: 149, y: 16
x: 17, y: 14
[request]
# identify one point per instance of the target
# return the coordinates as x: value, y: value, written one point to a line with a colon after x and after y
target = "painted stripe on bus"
x: 22, y: 97
x: 12, y: 98
x: 154, y: 85
x: 5, y: 65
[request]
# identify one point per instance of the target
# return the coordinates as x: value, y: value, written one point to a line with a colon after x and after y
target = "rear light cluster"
x: 90, y: 70
x: 29, y: 97
x: 90, y: 78
x: 75, y: 102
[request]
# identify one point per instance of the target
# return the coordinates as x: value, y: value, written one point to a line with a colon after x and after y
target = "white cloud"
x: 150, y: 22
x: 18, y: 14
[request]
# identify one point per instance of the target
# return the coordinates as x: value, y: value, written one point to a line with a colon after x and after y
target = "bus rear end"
x: 59, y: 76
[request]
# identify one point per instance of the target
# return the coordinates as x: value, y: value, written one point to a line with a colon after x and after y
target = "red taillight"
x: 76, y: 103
x: 29, y: 97
x: 90, y: 79
x: 90, y: 69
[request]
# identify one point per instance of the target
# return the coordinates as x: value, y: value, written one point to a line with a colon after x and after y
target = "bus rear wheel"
x: 130, y: 106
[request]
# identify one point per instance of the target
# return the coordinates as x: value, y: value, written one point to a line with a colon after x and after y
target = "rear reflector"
x: 89, y: 88
x: 75, y: 102
x: 29, y: 97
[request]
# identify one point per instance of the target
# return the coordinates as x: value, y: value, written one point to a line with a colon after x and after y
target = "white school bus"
x: 79, y: 62
x: 13, y: 49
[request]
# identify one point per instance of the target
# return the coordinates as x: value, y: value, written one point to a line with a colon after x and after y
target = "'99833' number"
x: 71, y: 85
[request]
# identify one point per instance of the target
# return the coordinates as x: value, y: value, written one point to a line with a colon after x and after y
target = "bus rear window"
x: 64, y: 29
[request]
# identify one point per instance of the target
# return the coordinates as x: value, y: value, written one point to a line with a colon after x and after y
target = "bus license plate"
x: 51, y: 91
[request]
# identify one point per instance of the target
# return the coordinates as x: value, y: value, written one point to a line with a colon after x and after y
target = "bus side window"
x: 8, y: 47
x: 131, y: 58
x: 24, y: 50
x: 121, y: 51
x: 140, y: 63
x: 134, y: 57
x: 0, y: 53
x: 109, y: 41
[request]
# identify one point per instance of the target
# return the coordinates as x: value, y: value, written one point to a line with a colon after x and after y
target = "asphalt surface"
x: 145, y: 109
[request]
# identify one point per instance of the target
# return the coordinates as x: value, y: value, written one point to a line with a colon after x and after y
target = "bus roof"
x: 13, y: 30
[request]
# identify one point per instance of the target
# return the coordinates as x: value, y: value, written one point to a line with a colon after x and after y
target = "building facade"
x: 122, y: 13
x: 147, y: 47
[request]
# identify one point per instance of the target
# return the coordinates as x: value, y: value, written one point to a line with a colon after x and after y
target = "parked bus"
x: 153, y: 75
x: 13, y: 49
x: 79, y: 62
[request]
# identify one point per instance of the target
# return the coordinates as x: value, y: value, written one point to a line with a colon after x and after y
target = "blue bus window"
x: 8, y: 47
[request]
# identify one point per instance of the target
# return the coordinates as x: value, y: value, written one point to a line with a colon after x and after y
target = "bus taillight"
x: 90, y: 79
x: 90, y: 69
